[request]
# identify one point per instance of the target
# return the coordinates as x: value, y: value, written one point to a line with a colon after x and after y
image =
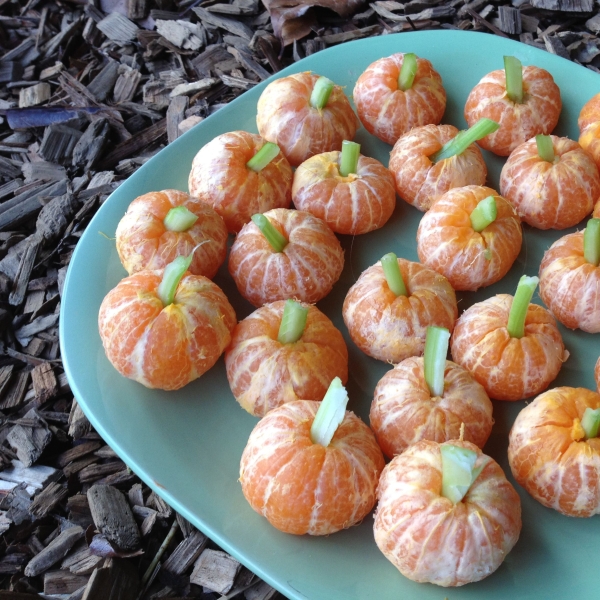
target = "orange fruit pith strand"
x: 393, y: 328
x: 358, y: 203
x: 302, y: 487
x: 569, y: 285
x: 589, y: 128
x: 387, y: 111
x: 538, y: 113
x: 263, y: 373
x: 549, y: 455
x: 551, y: 195
x: 430, y: 539
x: 143, y: 242
x: 508, y: 368
x: 305, y: 270
x: 421, y: 182
x: 404, y: 412
x: 165, y: 347
x: 220, y: 177
x: 285, y: 117
x: 447, y: 242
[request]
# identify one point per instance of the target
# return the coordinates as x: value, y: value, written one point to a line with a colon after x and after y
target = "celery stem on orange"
x: 436, y: 350
x: 514, y: 78
x: 321, y: 92
x: 293, y: 322
x: 458, y: 471
x: 545, y: 147
x: 407, y: 72
x: 172, y: 275
x: 330, y: 414
x: 591, y: 242
x: 349, y: 158
x: 179, y: 219
x: 393, y: 276
x: 263, y: 157
x: 591, y: 422
x: 463, y: 139
x: 484, y: 213
x: 520, y: 304
x: 276, y: 239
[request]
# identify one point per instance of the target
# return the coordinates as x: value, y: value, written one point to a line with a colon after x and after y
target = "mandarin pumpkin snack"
x: 165, y: 328
x: 239, y: 174
x: 284, y: 351
x: 471, y: 235
x: 352, y: 193
x: 554, y: 450
x: 589, y: 128
x: 513, y: 348
x: 305, y: 114
x: 446, y: 513
x: 429, y: 398
x: 525, y: 101
x: 160, y: 226
x: 312, y: 467
x: 397, y: 93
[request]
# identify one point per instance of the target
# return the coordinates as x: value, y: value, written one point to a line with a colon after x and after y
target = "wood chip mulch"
x: 88, y: 93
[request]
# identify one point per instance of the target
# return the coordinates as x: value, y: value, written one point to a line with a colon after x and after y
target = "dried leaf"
x: 292, y: 19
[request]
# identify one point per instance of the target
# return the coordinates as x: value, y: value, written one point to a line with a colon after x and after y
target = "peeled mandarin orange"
x: 387, y: 111
x: 421, y: 182
x: 165, y: 347
x: 264, y: 373
x: 403, y: 410
x: 286, y: 118
x: 305, y: 270
x: 447, y: 242
x: 426, y: 536
x: 549, y: 455
x: 220, y: 177
x: 358, y: 203
x: 569, y: 285
x: 519, y: 122
x: 553, y: 195
x: 143, y: 241
x: 509, y: 368
x: 392, y: 328
x: 589, y: 128
x: 303, y: 487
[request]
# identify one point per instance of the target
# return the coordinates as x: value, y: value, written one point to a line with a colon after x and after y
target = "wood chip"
x: 193, y: 87
x: 175, y: 115
x: 17, y: 294
x: 76, y: 452
x: 118, y: 580
x: 510, y: 20
x: 43, y: 170
x: 555, y: 46
x: 62, y: 582
x: 564, y: 5
x: 44, y: 381
x: 34, y: 95
x: 81, y: 561
x: 78, y: 422
x: 29, y: 437
x: 15, y: 392
x: 113, y: 517
x: 231, y: 25
x: 186, y: 553
x: 127, y: 84
x: 215, y: 570
x: 118, y: 28
x: 102, y: 85
x: 45, y: 501
x: 54, y: 552
x: 58, y: 143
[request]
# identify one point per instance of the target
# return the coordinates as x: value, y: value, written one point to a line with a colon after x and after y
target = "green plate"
x: 186, y: 445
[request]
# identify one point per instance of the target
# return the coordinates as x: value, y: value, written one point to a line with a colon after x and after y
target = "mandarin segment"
x: 447, y: 242
x: 355, y: 204
x: 263, y: 373
x: 304, y: 488
x: 143, y: 241
x: 387, y: 111
x: 589, y: 128
x: 392, y: 328
x: 549, y: 455
x: 509, y: 368
x: 519, y: 122
x: 404, y: 411
x: 430, y: 539
x: 285, y: 117
x: 165, y: 347
x: 306, y: 269
x: 220, y: 177
x: 553, y: 195
x: 419, y: 181
x: 569, y: 285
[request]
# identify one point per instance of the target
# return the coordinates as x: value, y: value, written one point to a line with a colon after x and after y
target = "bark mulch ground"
x: 88, y: 93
